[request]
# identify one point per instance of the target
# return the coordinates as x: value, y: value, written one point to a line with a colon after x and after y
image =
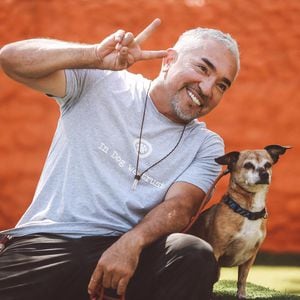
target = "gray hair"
x: 208, y: 33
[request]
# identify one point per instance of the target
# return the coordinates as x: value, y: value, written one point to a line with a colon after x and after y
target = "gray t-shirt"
x: 85, y: 186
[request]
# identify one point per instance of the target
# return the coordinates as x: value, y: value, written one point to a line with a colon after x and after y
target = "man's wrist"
x: 90, y: 58
x: 136, y: 238
x: 97, y: 57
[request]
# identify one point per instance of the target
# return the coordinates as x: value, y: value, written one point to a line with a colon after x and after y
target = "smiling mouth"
x: 195, y: 99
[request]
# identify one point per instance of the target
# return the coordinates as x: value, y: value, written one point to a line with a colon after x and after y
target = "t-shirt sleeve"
x: 203, y: 170
x: 78, y: 82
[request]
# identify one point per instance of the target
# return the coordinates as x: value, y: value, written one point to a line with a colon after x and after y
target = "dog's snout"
x: 264, y: 176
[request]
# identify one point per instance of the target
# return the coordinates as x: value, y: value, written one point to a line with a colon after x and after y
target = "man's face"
x: 197, y: 77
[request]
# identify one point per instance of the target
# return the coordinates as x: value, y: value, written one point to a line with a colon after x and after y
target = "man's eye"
x: 249, y: 166
x: 222, y: 87
x: 203, y: 69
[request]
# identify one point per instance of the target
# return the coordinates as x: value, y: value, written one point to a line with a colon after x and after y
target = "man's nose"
x: 206, y: 87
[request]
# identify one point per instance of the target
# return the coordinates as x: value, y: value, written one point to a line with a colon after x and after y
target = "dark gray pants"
x: 45, y: 266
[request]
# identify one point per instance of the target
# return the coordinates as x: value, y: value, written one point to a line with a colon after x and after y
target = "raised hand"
x: 121, y: 49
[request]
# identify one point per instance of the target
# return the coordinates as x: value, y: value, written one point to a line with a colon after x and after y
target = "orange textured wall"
x: 262, y: 107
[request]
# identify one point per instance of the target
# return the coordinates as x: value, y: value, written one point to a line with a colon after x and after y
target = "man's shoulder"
x: 200, y: 126
x: 207, y: 138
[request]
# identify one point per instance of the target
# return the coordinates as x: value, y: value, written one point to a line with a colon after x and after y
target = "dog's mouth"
x: 263, y: 181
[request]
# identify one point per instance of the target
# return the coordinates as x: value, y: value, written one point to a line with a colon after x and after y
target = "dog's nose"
x: 264, y: 175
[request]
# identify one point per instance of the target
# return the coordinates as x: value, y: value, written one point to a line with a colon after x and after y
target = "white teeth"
x: 194, y: 98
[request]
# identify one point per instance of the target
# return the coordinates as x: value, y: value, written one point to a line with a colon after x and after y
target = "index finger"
x: 95, y: 283
x: 142, y: 36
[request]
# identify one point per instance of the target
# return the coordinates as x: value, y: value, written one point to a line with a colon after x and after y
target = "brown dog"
x: 236, y: 226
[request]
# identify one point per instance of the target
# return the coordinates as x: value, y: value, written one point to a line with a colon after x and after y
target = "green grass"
x: 226, y: 290
x: 264, y: 282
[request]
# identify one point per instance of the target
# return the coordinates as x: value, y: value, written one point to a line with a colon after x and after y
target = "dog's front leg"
x: 242, y: 277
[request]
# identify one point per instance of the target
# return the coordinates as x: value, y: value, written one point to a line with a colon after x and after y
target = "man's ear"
x: 169, y: 59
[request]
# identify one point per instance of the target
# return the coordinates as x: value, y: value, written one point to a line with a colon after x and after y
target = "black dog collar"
x: 244, y: 212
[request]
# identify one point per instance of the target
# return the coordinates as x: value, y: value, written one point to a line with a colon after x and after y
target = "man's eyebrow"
x: 209, y: 63
x: 227, y: 81
x: 213, y: 67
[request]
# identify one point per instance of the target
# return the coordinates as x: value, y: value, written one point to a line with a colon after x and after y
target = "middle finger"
x: 107, y: 278
x: 128, y: 39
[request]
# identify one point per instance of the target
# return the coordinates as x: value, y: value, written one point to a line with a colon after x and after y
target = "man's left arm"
x: 119, y: 262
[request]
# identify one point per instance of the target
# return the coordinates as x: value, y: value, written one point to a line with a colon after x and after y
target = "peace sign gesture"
x: 121, y: 49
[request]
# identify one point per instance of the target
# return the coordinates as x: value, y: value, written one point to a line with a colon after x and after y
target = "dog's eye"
x: 249, y: 166
x: 268, y: 165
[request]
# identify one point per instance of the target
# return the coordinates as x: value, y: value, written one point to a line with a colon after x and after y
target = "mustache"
x: 203, y: 96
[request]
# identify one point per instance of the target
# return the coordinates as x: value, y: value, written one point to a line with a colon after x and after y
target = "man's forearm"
x: 168, y: 217
x: 120, y: 261
x: 37, y: 58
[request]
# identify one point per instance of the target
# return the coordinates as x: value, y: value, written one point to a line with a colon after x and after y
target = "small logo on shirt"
x: 145, y: 149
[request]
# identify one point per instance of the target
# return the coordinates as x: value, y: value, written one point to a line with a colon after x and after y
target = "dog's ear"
x: 276, y: 150
x: 229, y: 159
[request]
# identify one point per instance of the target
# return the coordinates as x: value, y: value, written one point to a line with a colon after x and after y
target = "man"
x: 128, y: 167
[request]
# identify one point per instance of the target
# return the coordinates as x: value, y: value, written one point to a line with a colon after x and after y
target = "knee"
x: 196, y: 253
x: 185, y: 243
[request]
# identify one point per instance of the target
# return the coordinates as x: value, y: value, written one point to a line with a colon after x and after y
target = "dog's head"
x: 252, y: 169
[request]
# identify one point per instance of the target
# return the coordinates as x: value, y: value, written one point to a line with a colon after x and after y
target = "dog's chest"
x: 244, y: 243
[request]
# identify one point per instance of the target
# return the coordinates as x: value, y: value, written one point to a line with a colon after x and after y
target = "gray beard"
x: 179, y: 113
